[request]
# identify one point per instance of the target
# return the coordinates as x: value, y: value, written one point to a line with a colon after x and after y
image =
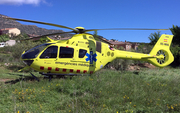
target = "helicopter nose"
x: 28, y: 62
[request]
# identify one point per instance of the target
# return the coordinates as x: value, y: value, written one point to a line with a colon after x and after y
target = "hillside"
x: 28, y: 29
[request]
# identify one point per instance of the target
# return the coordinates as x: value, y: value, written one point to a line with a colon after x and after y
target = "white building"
x: 13, y: 31
x: 10, y: 42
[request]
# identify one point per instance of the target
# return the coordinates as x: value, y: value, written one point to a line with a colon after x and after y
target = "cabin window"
x: 50, y: 52
x: 82, y: 53
x: 66, y: 52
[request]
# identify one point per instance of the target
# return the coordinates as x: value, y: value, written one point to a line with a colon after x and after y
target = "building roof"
x: 120, y: 43
x: 7, y: 29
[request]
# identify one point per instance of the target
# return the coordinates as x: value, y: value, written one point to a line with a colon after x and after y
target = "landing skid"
x: 34, y: 77
x: 57, y: 74
x: 50, y: 75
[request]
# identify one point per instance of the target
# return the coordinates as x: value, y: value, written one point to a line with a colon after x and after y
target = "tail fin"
x: 161, y: 52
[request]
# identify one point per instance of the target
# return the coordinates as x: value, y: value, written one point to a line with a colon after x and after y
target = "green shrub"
x: 145, y: 48
x: 5, y: 58
x: 4, y: 38
x: 176, y: 53
x: 119, y: 64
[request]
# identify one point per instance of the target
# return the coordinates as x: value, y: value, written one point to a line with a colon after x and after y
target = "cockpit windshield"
x: 34, y: 52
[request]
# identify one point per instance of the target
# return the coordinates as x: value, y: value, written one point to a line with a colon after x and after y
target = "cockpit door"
x: 46, y: 60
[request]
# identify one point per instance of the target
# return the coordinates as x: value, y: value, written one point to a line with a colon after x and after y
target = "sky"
x: 99, y: 14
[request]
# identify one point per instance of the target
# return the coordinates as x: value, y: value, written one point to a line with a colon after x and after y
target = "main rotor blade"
x: 56, y: 25
x: 48, y: 35
x: 123, y: 29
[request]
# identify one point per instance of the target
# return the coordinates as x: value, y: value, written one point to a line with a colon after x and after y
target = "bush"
x: 176, y: 53
x: 4, y: 38
x: 144, y: 48
x: 120, y: 64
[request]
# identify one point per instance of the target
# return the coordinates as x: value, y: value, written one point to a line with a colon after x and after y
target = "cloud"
x: 21, y: 2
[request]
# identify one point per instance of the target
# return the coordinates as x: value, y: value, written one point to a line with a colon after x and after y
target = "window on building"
x: 66, y: 52
x: 82, y: 53
x: 50, y: 52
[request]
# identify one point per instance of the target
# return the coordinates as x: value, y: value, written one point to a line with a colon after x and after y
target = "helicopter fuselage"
x: 83, y: 55
x: 78, y: 55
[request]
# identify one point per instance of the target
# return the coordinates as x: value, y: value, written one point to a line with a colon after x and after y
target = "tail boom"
x: 159, y: 56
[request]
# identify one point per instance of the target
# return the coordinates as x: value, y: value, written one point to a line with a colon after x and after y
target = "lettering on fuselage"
x: 47, y: 62
x: 87, y: 65
x: 66, y: 63
x: 75, y: 64
x: 166, y: 44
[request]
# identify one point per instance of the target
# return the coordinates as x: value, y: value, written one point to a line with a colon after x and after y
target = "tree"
x: 176, y: 32
x: 175, y: 46
x: 154, y: 37
x: 96, y: 35
x: 4, y: 38
x: 21, y: 36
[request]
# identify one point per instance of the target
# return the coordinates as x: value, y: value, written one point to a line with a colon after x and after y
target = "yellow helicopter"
x: 82, y: 54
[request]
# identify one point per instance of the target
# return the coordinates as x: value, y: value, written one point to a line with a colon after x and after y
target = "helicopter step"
x: 57, y: 74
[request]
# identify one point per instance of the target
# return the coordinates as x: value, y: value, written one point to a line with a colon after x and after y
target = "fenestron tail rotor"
x: 164, y: 55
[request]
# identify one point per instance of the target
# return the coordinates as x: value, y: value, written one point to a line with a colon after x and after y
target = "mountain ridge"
x: 28, y: 29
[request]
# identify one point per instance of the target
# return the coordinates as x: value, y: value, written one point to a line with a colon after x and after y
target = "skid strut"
x: 34, y: 77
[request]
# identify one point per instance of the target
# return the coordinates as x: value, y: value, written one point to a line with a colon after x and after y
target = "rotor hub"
x: 80, y: 29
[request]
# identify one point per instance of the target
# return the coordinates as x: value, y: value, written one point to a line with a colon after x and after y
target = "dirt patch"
x: 5, y: 80
x: 139, y: 66
x: 147, y: 65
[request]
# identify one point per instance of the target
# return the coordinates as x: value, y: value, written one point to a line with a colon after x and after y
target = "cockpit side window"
x: 50, y: 52
x: 82, y: 53
x: 66, y: 52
